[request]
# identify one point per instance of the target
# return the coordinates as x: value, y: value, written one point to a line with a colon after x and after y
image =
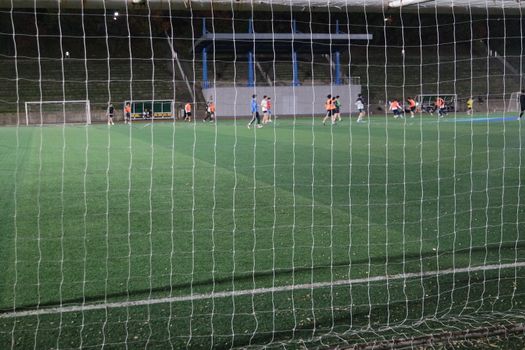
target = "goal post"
x: 58, y: 112
x: 513, y: 104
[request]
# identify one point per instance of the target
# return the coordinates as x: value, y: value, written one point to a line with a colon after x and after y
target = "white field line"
x: 226, y: 294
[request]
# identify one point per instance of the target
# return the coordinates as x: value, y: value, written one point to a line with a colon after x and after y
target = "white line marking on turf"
x: 225, y: 294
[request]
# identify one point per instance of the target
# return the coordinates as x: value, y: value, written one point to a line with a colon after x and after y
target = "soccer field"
x: 201, y: 235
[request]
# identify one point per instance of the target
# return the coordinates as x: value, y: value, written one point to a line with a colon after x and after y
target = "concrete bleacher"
x: 384, y: 74
x: 389, y: 74
x: 93, y: 79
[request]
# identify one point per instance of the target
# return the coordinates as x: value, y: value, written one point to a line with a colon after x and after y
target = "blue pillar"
x: 250, y: 25
x: 337, y: 59
x: 295, y: 70
x: 204, y: 58
x: 295, y: 75
x: 251, y: 80
x: 204, y: 68
x: 250, y: 69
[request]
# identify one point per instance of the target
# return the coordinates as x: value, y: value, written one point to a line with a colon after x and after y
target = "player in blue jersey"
x: 255, y: 113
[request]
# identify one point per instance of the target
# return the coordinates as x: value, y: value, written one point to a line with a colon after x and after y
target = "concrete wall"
x: 286, y: 100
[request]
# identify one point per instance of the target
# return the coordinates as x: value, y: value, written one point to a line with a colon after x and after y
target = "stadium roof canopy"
x: 457, y: 6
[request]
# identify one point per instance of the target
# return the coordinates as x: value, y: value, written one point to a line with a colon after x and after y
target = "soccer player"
x: 255, y: 113
x: 411, y: 106
x: 127, y: 113
x: 210, y: 111
x: 337, y: 110
x: 395, y: 107
x: 269, y: 106
x: 187, y: 112
x: 522, y: 104
x: 470, y: 104
x: 264, y: 109
x: 440, y: 106
x: 329, y: 107
x: 109, y: 113
x: 360, y: 104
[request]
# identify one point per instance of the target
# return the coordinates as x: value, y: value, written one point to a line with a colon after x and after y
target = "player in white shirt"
x: 264, y: 109
x: 359, y: 103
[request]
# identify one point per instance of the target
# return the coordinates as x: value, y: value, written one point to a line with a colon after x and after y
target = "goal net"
x: 57, y: 112
x: 513, y: 104
x: 253, y: 191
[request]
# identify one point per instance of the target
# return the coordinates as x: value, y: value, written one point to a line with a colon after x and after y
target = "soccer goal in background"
x: 513, y: 104
x: 57, y: 112
x: 426, y: 102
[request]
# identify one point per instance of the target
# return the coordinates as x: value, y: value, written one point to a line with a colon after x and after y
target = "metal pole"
x: 295, y: 70
x: 204, y: 68
x: 250, y: 69
x: 337, y: 68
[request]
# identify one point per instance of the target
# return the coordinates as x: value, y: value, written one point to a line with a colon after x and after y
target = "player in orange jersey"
x: 411, y: 106
x: 127, y: 113
x: 440, y: 106
x: 187, y: 112
x: 329, y: 106
x: 395, y: 107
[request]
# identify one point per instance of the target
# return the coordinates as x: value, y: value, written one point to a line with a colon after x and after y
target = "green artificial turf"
x: 96, y: 215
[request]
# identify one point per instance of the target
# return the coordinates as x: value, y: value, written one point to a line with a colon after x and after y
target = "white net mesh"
x: 514, y: 105
x: 325, y: 223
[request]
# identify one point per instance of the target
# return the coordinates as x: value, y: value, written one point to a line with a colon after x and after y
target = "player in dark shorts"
x: 187, y: 112
x: 411, y: 106
x: 441, y: 107
x: 210, y: 111
x: 329, y: 107
x: 110, y: 113
x: 254, y: 108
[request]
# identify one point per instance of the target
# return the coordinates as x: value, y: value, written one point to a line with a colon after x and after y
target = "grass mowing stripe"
x: 287, y: 288
x: 412, y: 167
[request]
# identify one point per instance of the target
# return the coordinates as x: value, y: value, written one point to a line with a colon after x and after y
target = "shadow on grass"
x: 248, y: 277
x: 369, y: 323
